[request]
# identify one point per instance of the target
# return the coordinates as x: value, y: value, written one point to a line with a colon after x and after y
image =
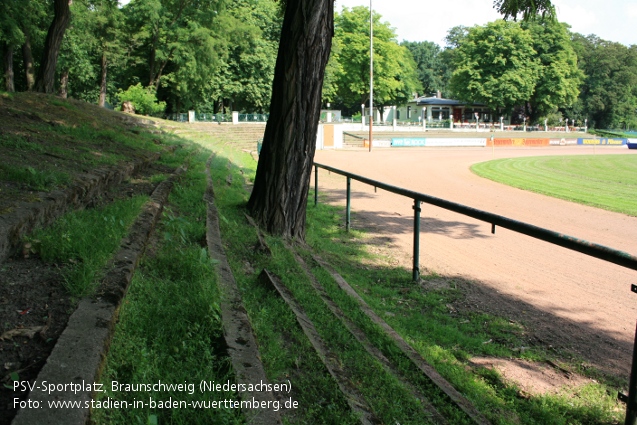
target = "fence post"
x: 416, y: 269
x: 315, y: 185
x: 631, y: 401
x: 349, y: 204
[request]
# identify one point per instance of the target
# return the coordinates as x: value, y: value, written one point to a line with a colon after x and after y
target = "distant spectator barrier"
x: 603, y: 141
x: 234, y: 118
x: 518, y: 142
x: 438, y: 142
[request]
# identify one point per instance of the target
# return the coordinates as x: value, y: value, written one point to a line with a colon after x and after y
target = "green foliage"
x: 170, y: 328
x: 559, y: 76
x: 553, y: 118
x: 609, y: 93
x: 11, y: 33
x: 395, y: 78
x: 496, y: 65
x: 430, y: 68
x: 529, y: 9
x: 244, y: 75
x: 41, y: 180
x: 85, y: 240
x: 143, y: 98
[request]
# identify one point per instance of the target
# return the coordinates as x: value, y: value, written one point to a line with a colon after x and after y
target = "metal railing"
x: 580, y: 245
x: 253, y: 117
x: 204, y: 117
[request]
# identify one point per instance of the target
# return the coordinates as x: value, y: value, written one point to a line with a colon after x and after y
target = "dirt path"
x: 567, y: 300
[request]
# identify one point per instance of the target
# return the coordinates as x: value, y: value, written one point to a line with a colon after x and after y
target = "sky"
x: 427, y: 20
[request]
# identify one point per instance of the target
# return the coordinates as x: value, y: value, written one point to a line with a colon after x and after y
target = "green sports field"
x: 604, y: 181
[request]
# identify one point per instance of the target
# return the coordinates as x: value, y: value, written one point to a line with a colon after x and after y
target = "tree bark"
x: 64, y: 84
x: 8, y: 68
x: 27, y: 58
x: 102, y: 100
x: 279, y: 198
x: 45, y: 82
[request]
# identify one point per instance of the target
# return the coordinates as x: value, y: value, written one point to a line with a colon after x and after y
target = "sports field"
x: 567, y: 300
x: 603, y: 181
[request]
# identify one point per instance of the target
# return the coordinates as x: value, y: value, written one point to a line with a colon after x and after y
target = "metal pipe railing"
x: 580, y: 245
x: 575, y: 244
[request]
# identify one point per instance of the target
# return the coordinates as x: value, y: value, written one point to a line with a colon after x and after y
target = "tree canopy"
x: 531, y: 65
x: 395, y: 78
x: 559, y: 76
x: 608, y: 96
x: 496, y: 65
x: 430, y: 66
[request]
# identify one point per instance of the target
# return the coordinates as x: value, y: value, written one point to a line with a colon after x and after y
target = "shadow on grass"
x: 449, y: 320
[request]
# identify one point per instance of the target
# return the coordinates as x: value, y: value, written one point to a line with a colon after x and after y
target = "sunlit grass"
x: 603, y: 181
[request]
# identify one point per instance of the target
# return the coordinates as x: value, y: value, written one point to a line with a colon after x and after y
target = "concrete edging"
x: 80, y: 350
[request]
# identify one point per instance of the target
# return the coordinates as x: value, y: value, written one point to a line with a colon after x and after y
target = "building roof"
x: 423, y: 101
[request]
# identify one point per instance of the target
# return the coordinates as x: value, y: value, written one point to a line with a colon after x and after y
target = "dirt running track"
x: 567, y: 300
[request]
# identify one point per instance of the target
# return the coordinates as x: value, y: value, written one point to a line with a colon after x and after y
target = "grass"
x: 170, y: 325
x: 46, y: 143
x: 83, y: 241
x: 285, y: 351
x: 446, y: 339
x: 34, y: 179
x: 603, y: 181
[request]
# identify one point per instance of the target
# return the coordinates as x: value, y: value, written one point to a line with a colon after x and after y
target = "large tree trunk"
x: 45, y: 82
x: 279, y: 197
x: 8, y: 68
x: 27, y: 57
x: 102, y: 100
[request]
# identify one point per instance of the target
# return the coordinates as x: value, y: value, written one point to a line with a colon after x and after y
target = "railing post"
x: 631, y: 401
x: 416, y: 270
x: 349, y: 204
x: 315, y: 185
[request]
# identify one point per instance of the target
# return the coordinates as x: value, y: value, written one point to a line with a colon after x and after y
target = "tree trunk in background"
x: 45, y: 82
x: 27, y: 57
x: 64, y: 84
x: 102, y: 100
x: 279, y: 197
x: 8, y: 68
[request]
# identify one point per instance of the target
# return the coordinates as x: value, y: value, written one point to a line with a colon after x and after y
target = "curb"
x: 237, y: 330
x: 77, y: 357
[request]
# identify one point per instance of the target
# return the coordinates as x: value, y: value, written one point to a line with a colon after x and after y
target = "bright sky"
x: 427, y: 20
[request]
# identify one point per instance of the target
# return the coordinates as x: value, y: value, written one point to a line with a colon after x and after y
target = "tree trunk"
x: 64, y: 84
x: 102, y: 100
x: 45, y: 82
x: 8, y: 68
x: 27, y: 57
x: 152, y: 60
x: 279, y: 197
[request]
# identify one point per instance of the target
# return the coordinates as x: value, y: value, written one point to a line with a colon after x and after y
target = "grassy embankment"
x: 603, y: 181
x: 170, y: 327
x: 446, y: 339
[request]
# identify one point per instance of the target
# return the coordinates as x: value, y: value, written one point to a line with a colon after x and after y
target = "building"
x: 438, y: 109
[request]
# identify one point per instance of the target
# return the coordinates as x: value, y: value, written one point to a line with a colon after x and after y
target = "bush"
x: 143, y: 99
x: 553, y: 118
